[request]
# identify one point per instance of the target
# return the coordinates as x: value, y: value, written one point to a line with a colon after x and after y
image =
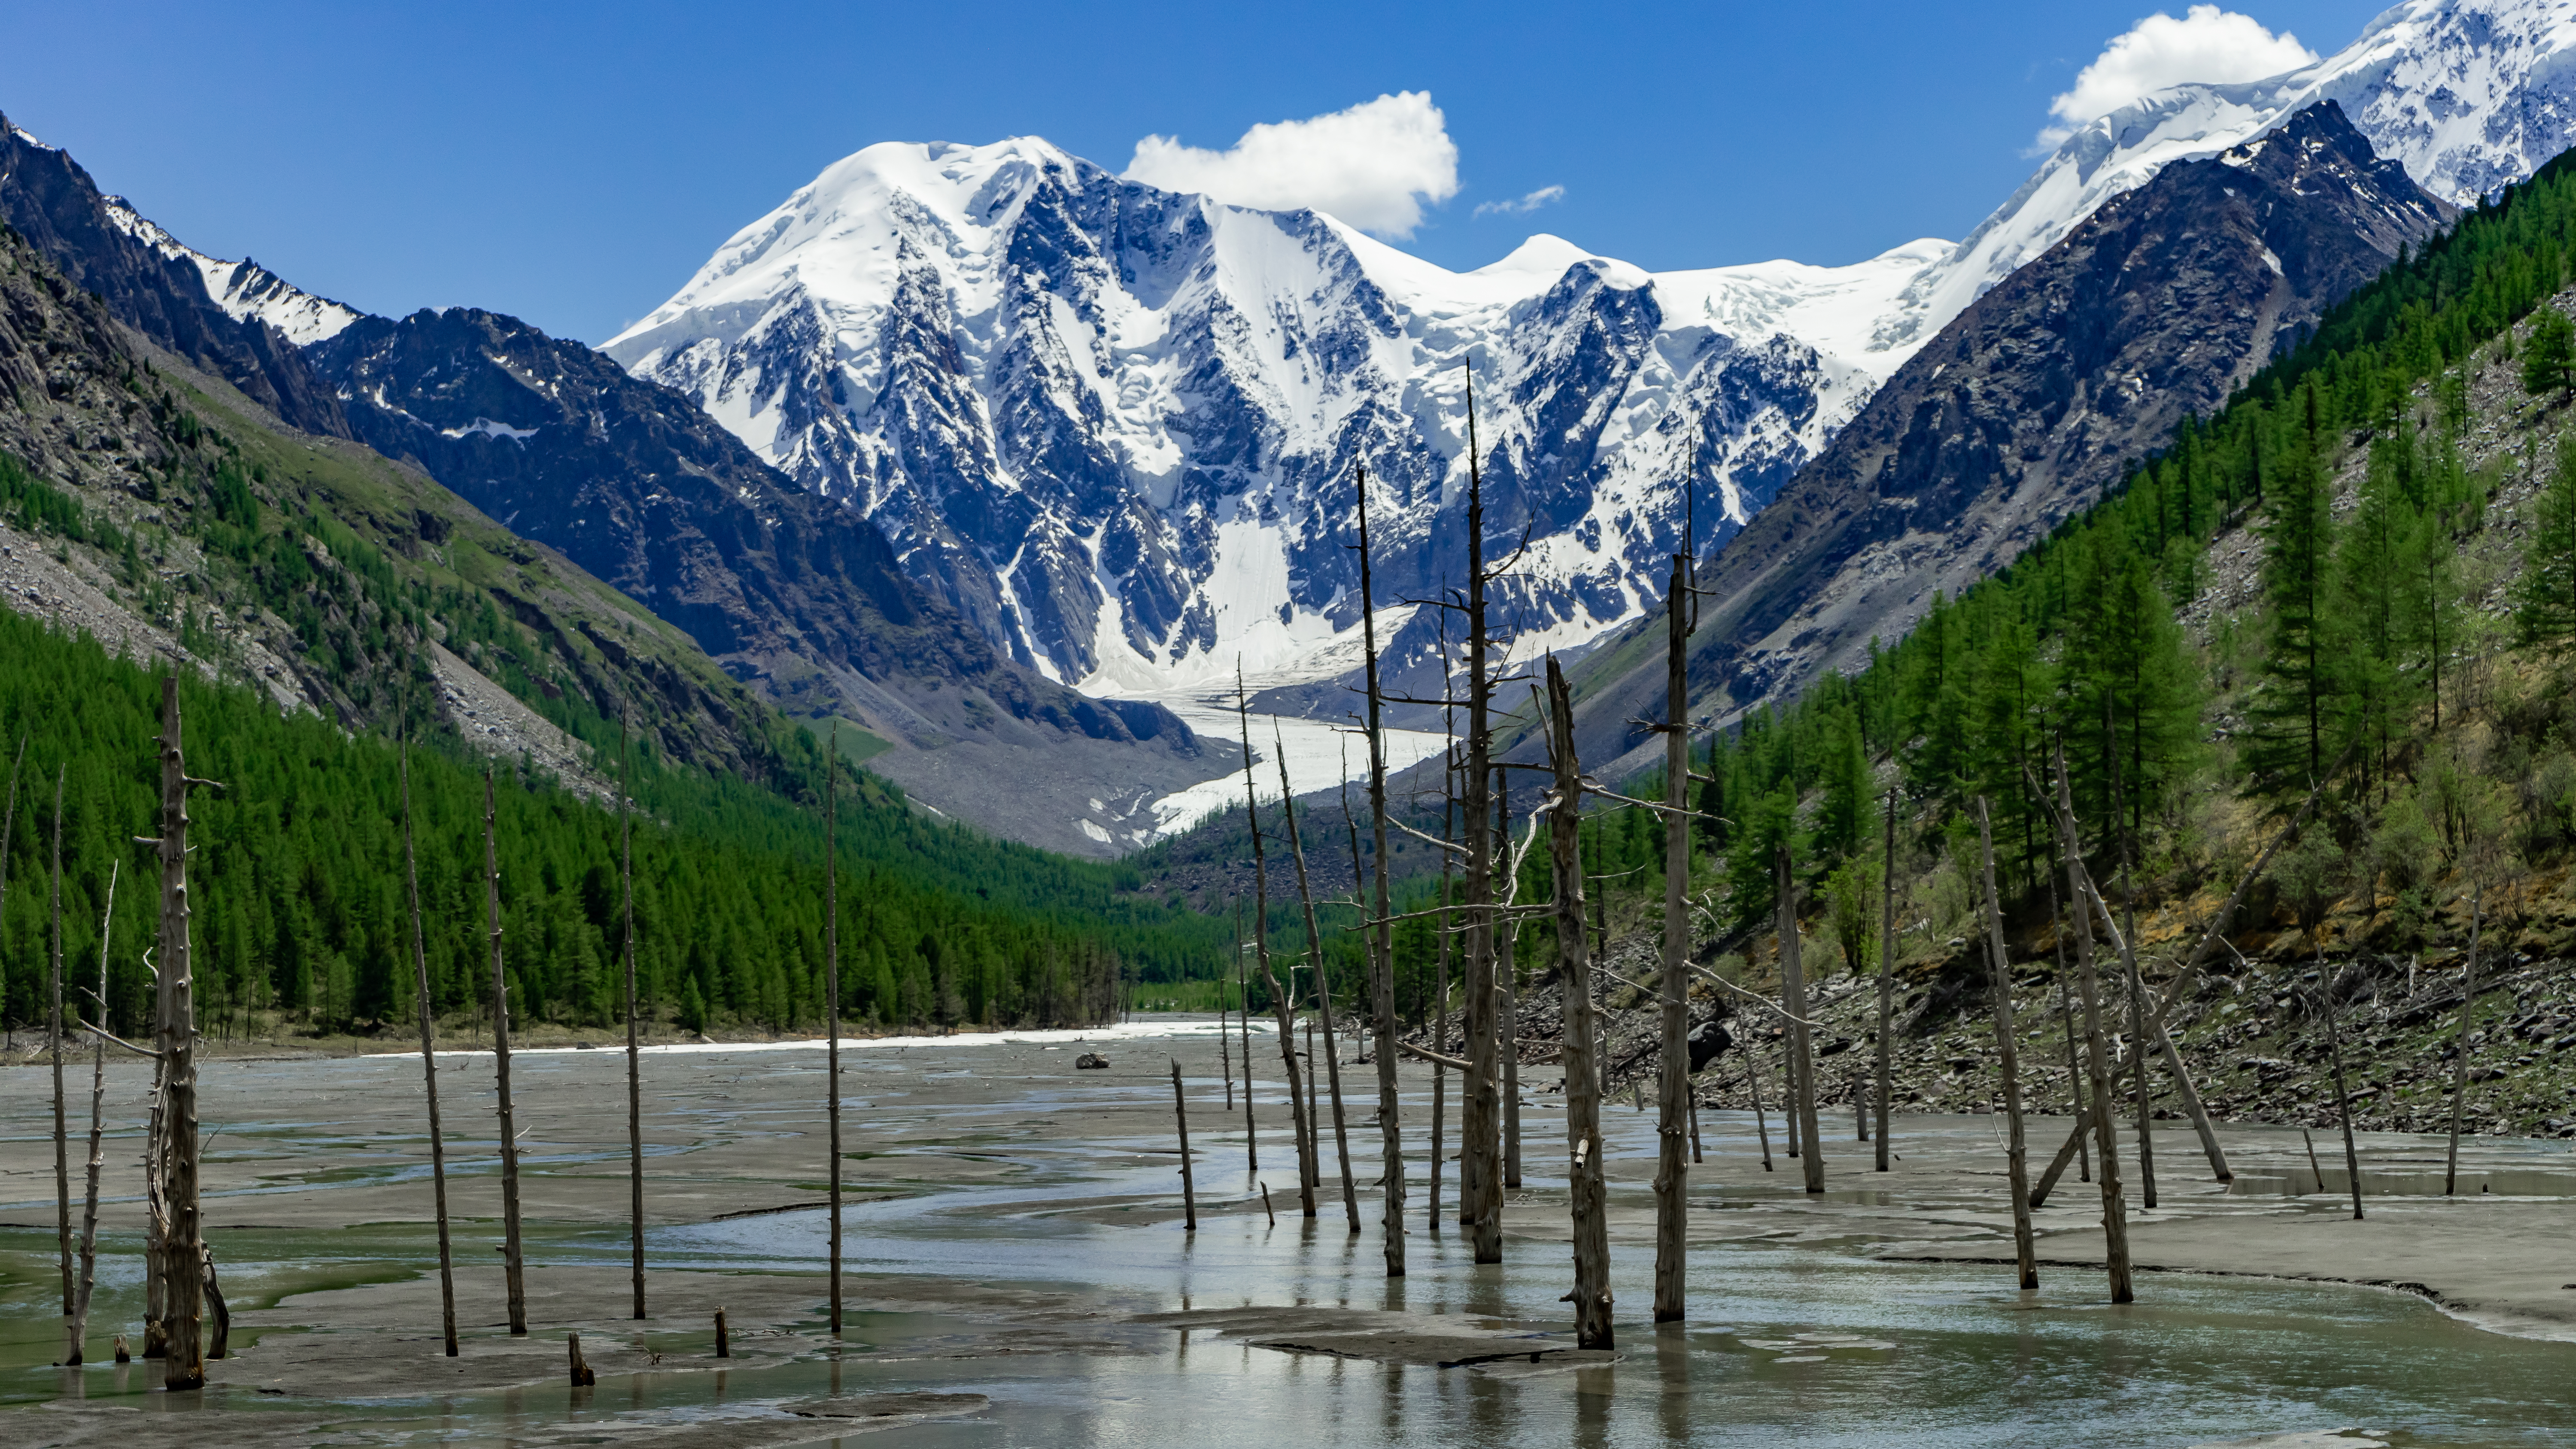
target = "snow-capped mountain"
x: 245, y: 290
x: 1118, y: 426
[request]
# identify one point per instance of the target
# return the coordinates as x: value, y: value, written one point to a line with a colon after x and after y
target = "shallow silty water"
x: 1793, y: 1335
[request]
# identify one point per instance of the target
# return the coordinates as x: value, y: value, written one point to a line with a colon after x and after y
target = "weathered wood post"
x: 1323, y: 989
x: 183, y: 1250
x: 1189, y: 1184
x: 582, y: 1376
x: 634, y: 1050
x: 1390, y: 1129
x: 1591, y: 1295
x: 724, y: 1340
x: 429, y: 1065
x: 1886, y: 978
x: 2008, y: 1061
x: 1761, y: 1124
x: 77, y: 1332
x: 1672, y: 1168
x: 511, y: 1261
x: 1802, y: 1067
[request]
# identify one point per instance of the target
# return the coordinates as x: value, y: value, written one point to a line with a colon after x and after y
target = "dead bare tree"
x: 183, y: 1251
x: 2007, y: 1061
x: 1440, y: 1016
x: 1507, y: 1025
x: 634, y: 1050
x: 832, y: 1015
x: 1390, y: 1129
x: 512, y: 1263
x: 1189, y: 1185
x: 2137, y: 989
x: 1591, y: 1295
x: 1243, y: 1020
x: 2343, y: 1097
x: 54, y: 1047
x: 1802, y: 1074
x: 1479, y: 1181
x: 2115, y: 1211
x: 1323, y: 985
x: 1886, y: 978
x: 1672, y: 1202
x: 429, y: 1065
x: 2460, y: 1047
x: 78, y: 1330
x: 1281, y: 1004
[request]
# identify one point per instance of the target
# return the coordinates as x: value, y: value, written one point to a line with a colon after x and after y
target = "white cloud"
x: 2207, y: 44
x: 1372, y: 166
x: 1524, y: 206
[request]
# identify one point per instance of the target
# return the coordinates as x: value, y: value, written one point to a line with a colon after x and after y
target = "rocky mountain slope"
x: 2045, y: 391
x: 158, y: 287
x: 159, y: 509
x: 634, y: 484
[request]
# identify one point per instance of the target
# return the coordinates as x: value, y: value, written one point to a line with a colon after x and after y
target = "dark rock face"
x: 2031, y: 402
x: 54, y: 204
x: 637, y: 485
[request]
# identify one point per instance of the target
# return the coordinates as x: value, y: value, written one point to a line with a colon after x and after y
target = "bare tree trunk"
x: 1507, y: 1023
x: 54, y: 1048
x: 2138, y: 1035
x: 78, y: 1328
x: 2343, y: 1098
x: 832, y: 1010
x: 156, y: 1200
x: 1323, y: 990
x: 1280, y: 1003
x: 1793, y: 984
x: 1390, y: 1130
x: 428, y: 1066
x: 2008, y: 1062
x: 1591, y: 1295
x: 1225, y: 1044
x: 1440, y: 1017
x: 2460, y: 1048
x: 1189, y: 1185
x: 184, y: 1251
x: 1753, y: 1084
x: 1478, y: 1181
x: 634, y: 1051
x: 510, y: 1255
x: 1672, y: 1201
x: 1243, y: 1023
x: 2115, y: 1212
x: 1886, y: 979
x: 2066, y: 1013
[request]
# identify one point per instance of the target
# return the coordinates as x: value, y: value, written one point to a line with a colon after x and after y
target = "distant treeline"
x: 300, y: 905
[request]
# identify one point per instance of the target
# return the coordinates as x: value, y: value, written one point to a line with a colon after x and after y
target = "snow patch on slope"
x: 244, y: 289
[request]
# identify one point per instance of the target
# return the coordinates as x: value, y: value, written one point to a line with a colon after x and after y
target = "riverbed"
x: 1018, y: 1273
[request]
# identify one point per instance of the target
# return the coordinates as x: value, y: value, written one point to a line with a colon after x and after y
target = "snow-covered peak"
x: 244, y: 289
x: 2467, y: 95
x: 23, y: 134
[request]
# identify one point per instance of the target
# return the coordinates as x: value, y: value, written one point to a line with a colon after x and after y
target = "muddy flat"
x: 1016, y: 1268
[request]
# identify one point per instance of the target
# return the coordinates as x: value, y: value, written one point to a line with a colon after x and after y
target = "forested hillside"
x: 300, y: 902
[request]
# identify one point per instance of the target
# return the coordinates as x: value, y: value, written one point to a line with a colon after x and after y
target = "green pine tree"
x: 2549, y: 353
x: 2303, y: 673
x: 2545, y: 596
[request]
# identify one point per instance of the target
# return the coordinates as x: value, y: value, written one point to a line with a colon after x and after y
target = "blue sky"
x: 573, y: 164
